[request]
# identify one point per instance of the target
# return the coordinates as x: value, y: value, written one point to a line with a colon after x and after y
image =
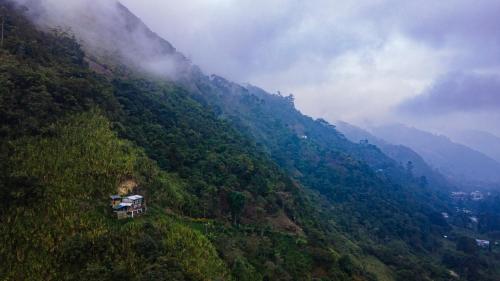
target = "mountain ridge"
x: 458, y: 162
x: 484, y: 142
x: 402, y: 154
x: 228, y: 169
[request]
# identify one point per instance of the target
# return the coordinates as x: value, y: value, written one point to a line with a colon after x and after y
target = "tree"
x: 243, y: 271
x: 467, y: 245
x: 409, y: 169
x: 1, y: 36
x: 423, y: 182
x: 236, y: 204
x: 3, y: 12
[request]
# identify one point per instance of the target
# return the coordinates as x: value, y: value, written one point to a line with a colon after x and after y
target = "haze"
x: 431, y: 65
x: 424, y: 63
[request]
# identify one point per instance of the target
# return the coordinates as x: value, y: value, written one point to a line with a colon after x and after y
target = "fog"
x: 431, y: 64
x: 416, y: 62
x: 111, y: 33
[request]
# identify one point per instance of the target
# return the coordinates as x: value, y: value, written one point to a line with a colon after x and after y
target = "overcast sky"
x: 423, y: 62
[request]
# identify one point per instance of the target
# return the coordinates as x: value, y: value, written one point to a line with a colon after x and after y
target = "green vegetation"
x: 61, y: 161
x: 58, y: 224
x: 234, y: 190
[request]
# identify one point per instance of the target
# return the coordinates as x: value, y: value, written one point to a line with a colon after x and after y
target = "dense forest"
x: 239, y: 184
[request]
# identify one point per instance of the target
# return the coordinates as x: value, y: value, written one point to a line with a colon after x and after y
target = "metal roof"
x: 135, y: 197
x: 118, y: 207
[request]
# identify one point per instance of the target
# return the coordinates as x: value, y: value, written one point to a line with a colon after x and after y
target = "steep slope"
x: 400, y: 153
x: 243, y: 185
x: 58, y: 211
x: 117, y: 39
x: 210, y: 188
x: 59, y: 163
x: 460, y: 163
x: 323, y: 160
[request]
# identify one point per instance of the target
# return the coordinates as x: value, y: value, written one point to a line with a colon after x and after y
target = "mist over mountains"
x: 397, y: 151
x: 239, y: 184
x: 482, y: 141
x: 113, y: 34
x: 459, y: 162
x: 463, y: 166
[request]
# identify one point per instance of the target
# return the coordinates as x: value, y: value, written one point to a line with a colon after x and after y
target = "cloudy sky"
x: 425, y: 62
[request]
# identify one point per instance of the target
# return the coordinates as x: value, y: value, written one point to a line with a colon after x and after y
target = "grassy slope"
x: 66, y: 229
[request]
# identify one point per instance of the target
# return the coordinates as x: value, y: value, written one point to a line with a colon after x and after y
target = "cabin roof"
x: 119, y: 207
x: 135, y: 197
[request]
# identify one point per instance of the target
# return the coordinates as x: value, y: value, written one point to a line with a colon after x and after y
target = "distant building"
x: 476, y: 195
x: 459, y: 195
x: 483, y: 243
x: 128, y: 207
x: 364, y: 142
x: 465, y: 211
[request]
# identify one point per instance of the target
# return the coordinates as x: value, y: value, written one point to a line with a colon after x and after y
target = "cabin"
x: 483, y: 243
x: 128, y: 206
x: 477, y: 195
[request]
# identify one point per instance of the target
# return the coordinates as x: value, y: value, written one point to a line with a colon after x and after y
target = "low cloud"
x: 469, y: 29
x: 353, y: 60
x: 109, y: 31
x: 455, y: 93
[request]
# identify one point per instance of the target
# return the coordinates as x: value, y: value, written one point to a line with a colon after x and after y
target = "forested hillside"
x: 208, y: 188
x: 461, y: 164
x: 406, y: 157
x: 354, y: 179
x: 239, y: 185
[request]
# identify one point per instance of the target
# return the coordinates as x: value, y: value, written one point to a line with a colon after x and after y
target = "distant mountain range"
x: 482, y: 141
x: 459, y: 163
x: 400, y: 153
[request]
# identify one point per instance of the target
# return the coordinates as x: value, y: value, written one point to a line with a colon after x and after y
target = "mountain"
x: 400, y: 153
x: 354, y: 179
x: 484, y: 142
x: 239, y: 185
x: 459, y: 163
x: 114, y: 38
